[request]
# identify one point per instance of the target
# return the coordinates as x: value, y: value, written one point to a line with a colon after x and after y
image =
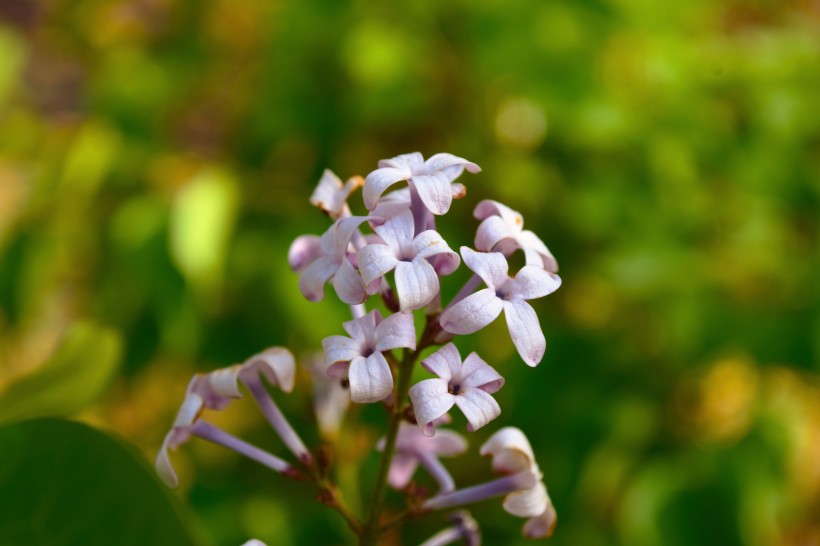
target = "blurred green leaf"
x: 72, y: 484
x: 74, y: 377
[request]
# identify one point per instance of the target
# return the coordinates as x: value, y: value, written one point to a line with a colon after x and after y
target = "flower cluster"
x: 393, y: 259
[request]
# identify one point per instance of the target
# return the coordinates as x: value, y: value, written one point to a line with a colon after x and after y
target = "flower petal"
x: 525, y: 331
x: 410, y: 161
x: 430, y: 243
x: 375, y: 261
x: 478, y: 407
x: 402, y: 469
x: 435, y: 191
x: 445, y: 363
x: 488, y: 208
x: 379, y: 180
x: 370, y: 379
x: 490, y: 266
x: 472, y: 313
x: 447, y: 443
x: 335, y: 241
x: 303, y: 251
x: 397, y: 330
x: 490, y: 233
x: 340, y: 349
x: 479, y: 375
x: 430, y: 401
x: 330, y: 194
x: 313, y: 278
x: 536, y: 251
x: 451, y: 164
x: 510, y: 450
x: 541, y: 526
x: 532, y: 282
x: 416, y: 283
x: 348, y: 284
x: 363, y: 329
x: 276, y: 364
x: 528, y: 503
x: 398, y: 231
x: 164, y: 468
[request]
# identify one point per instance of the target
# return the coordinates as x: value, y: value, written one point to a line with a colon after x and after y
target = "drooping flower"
x: 503, y: 293
x: 360, y: 357
x: 464, y: 528
x: 432, y: 179
x: 408, y: 254
x: 326, y: 258
x: 414, y: 448
x: 331, y: 195
x: 468, y: 386
x: 502, y: 230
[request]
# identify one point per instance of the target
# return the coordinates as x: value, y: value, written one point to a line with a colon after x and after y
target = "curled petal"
x: 313, y: 278
x: 375, y: 261
x: 370, y: 379
x: 164, y: 468
x: 430, y: 243
x: 397, y: 330
x: 478, y: 374
x: 510, y: 450
x: 528, y: 503
x: 435, y: 192
x: 525, y: 331
x: 537, y: 252
x: 490, y: 233
x: 331, y: 195
x: 478, y: 407
x: 452, y: 165
x: 276, y: 364
x: 217, y: 388
x: 416, y: 283
x: 472, y: 313
x: 445, y: 363
x: 488, y: 208
x: 430, y: 400
x: 379, y: 180
x: 397, y: 231
x: 336, y: 239
x: 490, y: 266
x: 541, y: 526
x: 532, y: 282
x: 304, y: 250
x: 413, y: 160
x: 348, y: 284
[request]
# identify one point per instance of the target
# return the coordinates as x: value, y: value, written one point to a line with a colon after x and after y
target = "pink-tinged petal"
x: 410, y: 161
x: 541, y: 526
x: 336, y: 240
x: 363, y: 329
x: 490, y: 266
x: 330, y: 194
x: 479, y: 375
x: 340, y: 349
x: 313, y: 278
x: 537, y: 252
x: 397, y: 231
x: 472, y: 313
x: 533, y: 282
x: 378, y: 181
x: 397, y: 330
x: 490, y: 233
x: 254, y: 542
x: 478, y: 407
x: 445, y: 363
x: 525, y: 331
x: 416, y: 284
x: 528, y: 503
x: 435, y: 192
x: 447, y: 443
x: 439, y: 162
x: 488, y: 208
x: 375, y: 261
x: 276, y: 364
x: 216, y: 389
x: 370, y: 379
x: 348, y: 284
x: 430, y: 400
x: 304, y: 250
x: 429, y: 243
x: 402, y: 469
x: 510, y: 450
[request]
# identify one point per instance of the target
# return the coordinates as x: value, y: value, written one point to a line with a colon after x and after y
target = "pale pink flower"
x: 331, y: 195
x: 468, y: 386
x: 503, y: 293
x: 407, y: 254
x: 432, y: 179
x: 502, y: 230
x: 360, y: 358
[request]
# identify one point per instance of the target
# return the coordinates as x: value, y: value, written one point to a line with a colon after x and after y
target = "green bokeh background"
x: 156, y: 157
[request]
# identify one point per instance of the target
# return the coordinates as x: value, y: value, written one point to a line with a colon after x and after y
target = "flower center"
x: 454, y: 389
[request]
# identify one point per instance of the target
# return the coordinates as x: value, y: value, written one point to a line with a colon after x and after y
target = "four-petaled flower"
x: 432, y: 179
x: 468, y: 386
x: 360, y: 355
x: 502, y: 230
x: 503, y: 293
x: 416, y: 279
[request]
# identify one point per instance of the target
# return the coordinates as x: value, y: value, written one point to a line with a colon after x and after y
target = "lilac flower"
x: 331, y: 195
x: 330, y: 398
x: 413, y: 448
x: 254, y: 542
x: 416, y: 279
x: 503, y: 293
x: 468, y: 385
x: 320, y: 259
x: 432, y: 179
x: 360, y: 355
x: 502, y: 230
x: 464, y: 527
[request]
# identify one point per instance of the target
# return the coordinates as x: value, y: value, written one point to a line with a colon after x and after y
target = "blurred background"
x: 156, y: 158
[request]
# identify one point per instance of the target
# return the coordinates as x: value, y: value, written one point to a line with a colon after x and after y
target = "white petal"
x: 378, y: 181
x: 525, y: 331
x: 402, y: 469
x: 445, y: 363
x: 313, y: 278
x: 216, y: 389
x: 276, y: 364
x: 488, y: 208
x: 303, y: 251
x: 447, y: 443
x: 541, y: 526
x: 430, y: 401
x: 398, y: 231
x: 490, y: 233
x: 430, y: 243
x: 472, y: 313
x: 254, y: 542
x: 163, y: 466
x: 439, y: 162
x: 478, y: 374
x: 532, y: 282
x: 375, y: 261
x: 532, y: 244
x: 510, y: 450
x: 348, y: 284
x: 478, y: 407
x: 370, y: 379
x: 330, y: 194
x: 409, y: 161
x: 335, y: 241
x: 490, y: 266
x: 528, y: 503
x: 363, y: 329
x: 435, y: 192
x: 397, y: 330
x: 416, y: 283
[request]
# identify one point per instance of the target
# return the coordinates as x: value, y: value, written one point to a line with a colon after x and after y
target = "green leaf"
x: 65, y: 483
x: 72, y: 379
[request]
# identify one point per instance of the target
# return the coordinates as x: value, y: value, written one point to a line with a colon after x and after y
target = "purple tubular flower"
x: 468, y: 386
x: 327, y: 258
x: 432, y: 179
x: 407, y: 254
x: 464, y: 527
x: 502, y: 230
x: 503, y: 293
x: 413, y: 448
x: 331, y: 195
x: 360, y: 355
